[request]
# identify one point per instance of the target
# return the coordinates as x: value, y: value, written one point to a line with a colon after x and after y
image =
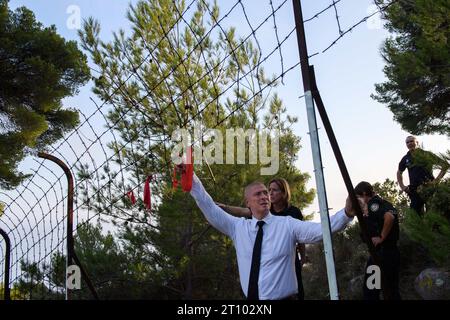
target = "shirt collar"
x: 267, y: 219
x: 374, y: 198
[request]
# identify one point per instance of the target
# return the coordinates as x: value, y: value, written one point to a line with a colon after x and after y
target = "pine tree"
x: 417, y: 58
x: 38, y: 68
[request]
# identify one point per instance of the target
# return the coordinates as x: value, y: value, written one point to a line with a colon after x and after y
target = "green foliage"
x: 38, y: 69
x: 14, y: 293
x: 350, y: 255
x: 417, y: 60
x: 115, y: 273
x: 438, y: 197
x: 433, y: 232
x: 389, y: 191
x: 33, y: 284
x: 417, y: 244
x: 431, y: 161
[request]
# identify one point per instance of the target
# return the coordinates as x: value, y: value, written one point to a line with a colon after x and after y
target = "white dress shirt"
x: 277, y: 277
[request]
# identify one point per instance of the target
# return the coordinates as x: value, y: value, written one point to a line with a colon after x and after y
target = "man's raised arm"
x: 311, y: 232
x: 218, y: 218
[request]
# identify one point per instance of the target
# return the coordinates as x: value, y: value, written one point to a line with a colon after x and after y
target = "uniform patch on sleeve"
x: 374, y: 207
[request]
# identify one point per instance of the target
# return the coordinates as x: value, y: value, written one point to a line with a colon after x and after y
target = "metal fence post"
x: 6, y: 289
x: 71, y: 256
x: 315, y: 147
x: 312, y: 95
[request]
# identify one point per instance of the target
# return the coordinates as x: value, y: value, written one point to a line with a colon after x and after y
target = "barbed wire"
x: 343, y: 33
x: 337, y: 17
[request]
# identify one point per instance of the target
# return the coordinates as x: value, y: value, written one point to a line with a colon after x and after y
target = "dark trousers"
x: 417, y: 203
x: 390, y: 263
x: 298, y: 273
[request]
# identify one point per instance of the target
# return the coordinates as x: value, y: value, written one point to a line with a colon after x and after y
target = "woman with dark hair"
x: 280, y: 196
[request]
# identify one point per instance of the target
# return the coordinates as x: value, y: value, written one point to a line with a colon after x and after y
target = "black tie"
x: 253, y: 292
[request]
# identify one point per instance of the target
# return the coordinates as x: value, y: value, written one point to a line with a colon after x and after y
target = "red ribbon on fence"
x: 187, y: 174
x: 147, y: 193
x: 130, y: 195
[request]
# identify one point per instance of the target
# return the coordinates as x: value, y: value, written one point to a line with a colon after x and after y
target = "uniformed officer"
x: 382, y: 222
x: 418, y: 175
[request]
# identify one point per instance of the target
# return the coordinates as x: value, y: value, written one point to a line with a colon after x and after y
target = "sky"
x: 371, y: 142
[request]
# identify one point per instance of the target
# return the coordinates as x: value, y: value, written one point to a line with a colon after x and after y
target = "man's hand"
x: 405, y: 189
x: 222, y: 206
x: 350, y: 211
x: 349, y: 208
x: 376, y: 241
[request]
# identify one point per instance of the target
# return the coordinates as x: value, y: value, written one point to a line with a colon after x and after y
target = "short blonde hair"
x: 251, y: 185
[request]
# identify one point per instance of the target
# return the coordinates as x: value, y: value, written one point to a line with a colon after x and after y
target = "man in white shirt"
x: 275, y: 272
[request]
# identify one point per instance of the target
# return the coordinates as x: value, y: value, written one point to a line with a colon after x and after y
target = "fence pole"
x: 6, y: 289
x: 315, y: 147
x: 70, y: 242
x: 346, y: 177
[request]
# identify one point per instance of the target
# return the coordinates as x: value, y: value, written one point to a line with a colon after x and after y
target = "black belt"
x: 291, y: 297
